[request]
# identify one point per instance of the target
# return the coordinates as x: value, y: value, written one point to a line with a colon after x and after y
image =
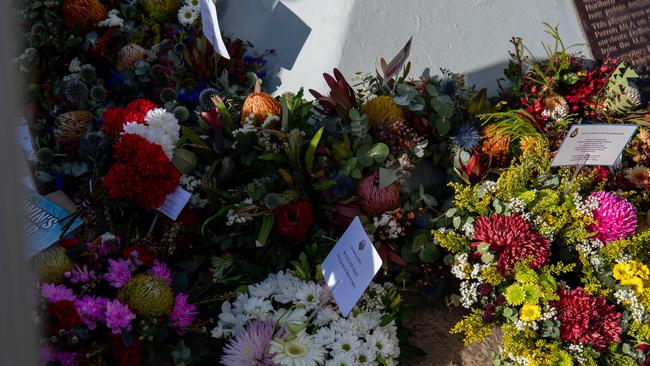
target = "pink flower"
x: 91, y: 310
x: 55, y: 293
x: 119, y: 272
x: 118, y: 316
x: 615, y: 217
x: 80, y: 274
x: 51, y: 355
x: 162, y: 271
x: 183, y: 314
x: 375, y: 199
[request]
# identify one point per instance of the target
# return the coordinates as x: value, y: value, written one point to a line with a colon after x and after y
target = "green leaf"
x: 321, y: 186
x: 420, y: 242
x: 451, y: 212
x: 430, y: 253
x: 442, y: 125
x: 193, y: 137
x: 456, y: 222
x: 267, y: 224
x: 311, y: 150
x: 348, y: 167
x: 281, y: 158
x: 380, y: 152
x: 364, y: 156
x: 224, y: 114
x: 386, y: 177
x: 356, y: 174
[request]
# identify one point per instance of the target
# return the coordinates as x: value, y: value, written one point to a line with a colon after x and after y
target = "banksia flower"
x: 376, y: 200
x: 83, y: 15
x: 633, y: 95
x: 494, y: 145
x: 148, y: 296
x: 128, y: 55
x: 615, y: 217
x: 259, y: 105
x: 70, y: 126
x: 512, y: 238
x: 76, y: 91
x: 51, y: 265
x: 382, y: 109
x: 161, y: 10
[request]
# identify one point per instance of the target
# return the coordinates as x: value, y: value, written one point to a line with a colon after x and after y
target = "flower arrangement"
x: 550, y: 259
x: 108, y: 302
x: 287, y: 321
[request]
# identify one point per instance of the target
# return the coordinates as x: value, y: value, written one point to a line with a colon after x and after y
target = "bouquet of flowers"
x: 103, y: 300
x: 555, y: 261
x: 287, y: 321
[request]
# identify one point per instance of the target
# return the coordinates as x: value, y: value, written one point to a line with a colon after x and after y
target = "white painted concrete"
x: 467, y: 36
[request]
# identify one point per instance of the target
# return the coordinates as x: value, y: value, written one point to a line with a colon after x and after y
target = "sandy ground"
x: 430, y: 325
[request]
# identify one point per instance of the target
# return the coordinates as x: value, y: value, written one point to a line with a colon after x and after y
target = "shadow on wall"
x: 271, y: 25
x: 487, y: 77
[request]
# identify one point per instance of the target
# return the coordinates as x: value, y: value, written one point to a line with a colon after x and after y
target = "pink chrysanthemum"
x: 162, y: 271
x: 119, y: 272
x: 375, y: 199
x: 55, y: 293
x: 91, y: 310
x: 118, y: 316
x: 252, y: 346
x: 183, y: 314
x: 49, y: 355
x: 587, y: 320
x: 512, y: 238
x: 615, y: 217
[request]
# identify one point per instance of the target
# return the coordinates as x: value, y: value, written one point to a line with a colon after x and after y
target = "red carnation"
x: 512, y: 238
x: 142, y: 173
x: 115, y: 119
x: 587, y: 320
x: 293, y: 220
x: 142, y: 105
x: 63, y: 315
x: 375, y: 199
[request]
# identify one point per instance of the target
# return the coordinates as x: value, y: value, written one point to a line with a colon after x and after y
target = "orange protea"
x: 259, y: 105
x: 83, y: 15
x: 495, y: 145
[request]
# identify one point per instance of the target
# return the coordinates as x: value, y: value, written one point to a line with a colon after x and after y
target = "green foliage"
x: 615, y: 90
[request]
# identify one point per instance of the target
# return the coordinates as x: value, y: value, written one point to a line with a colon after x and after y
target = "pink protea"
x: 376, y: 200
x: 615, y: 217
x: 512, y: 238
x: 585, y: 319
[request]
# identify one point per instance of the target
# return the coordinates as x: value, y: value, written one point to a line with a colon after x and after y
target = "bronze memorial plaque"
x: 619, y: 28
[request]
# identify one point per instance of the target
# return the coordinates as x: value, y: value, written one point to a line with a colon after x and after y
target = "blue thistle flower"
x: 466, y: 137
x: 344, y: 187
x: 448, y: 87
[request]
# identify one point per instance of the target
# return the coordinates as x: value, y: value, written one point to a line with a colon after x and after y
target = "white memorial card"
x: 175, y: 203
x: 211, y: 30
x: 350, y: 266
x: 594, y: 144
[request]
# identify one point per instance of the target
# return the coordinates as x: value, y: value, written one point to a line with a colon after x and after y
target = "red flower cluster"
x: 62, y: 315
x: 587, y: 320
x: 142, y: 173
x: 581, y: 94
x: 115, y: 118
x: 293, y: 220
x: 512, y: 238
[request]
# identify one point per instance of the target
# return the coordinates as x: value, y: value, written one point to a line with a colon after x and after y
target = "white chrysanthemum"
x: 160, y: 118
x: 342, y: 359
x: 343, y: 326
x: 193, y: 3
x: 347, y: 343
x: 258, y: 308
x: 365, y: 355
x: 366, y: 321
x: 113, y: 20
x: 75, y: 65
x: 295, y: 319
x: 308, y: 295
x: 325, y: 316
x: 383, y: 343
x: 187, y: 14
x: 325, y: 336
x: 263, y: 289
x: 299, y: 351
x: 162, y: 128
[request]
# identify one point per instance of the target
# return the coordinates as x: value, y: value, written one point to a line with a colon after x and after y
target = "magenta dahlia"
x: 376, y: 200
x: 512, y: 238
x: 615, y: 217
x: 585, y: 319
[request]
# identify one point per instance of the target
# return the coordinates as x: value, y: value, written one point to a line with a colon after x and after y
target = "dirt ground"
x: 430, y: 325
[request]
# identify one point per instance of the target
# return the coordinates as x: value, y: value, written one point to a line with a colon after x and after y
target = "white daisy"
x: 295, y: 319
x: 258, y: 308
x: 365, y: 355
x: 343, y: 359
x: 347, y: 343
x: 308, y: 295
x: 325, y: 337
x: 325, y: 316
x: 187, y: 14
x: 381, y: 343
x: 299, y: 351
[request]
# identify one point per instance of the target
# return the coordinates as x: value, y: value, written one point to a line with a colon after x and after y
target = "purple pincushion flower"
x: 119, y: 272
x: 118, y: 316
x: 55, y: 293
x: 252, y: 346
x: 91, y: 310
x: 162, y: 271
x: 615, y: 217
x: 182, y: 314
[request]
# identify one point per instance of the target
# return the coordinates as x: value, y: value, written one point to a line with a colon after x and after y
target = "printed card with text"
x: 350, y: 266
x: 594, y: 144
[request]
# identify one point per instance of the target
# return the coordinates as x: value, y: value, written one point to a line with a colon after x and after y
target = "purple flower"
x: 49, y: 354
x: 118, y: 316
x: 162, y: 271
x: 251, y: 346
x: 80, y: 275
x: 119, y: 272
x: 55, y: 293
x: 91, y: 310
x: 183, y: 314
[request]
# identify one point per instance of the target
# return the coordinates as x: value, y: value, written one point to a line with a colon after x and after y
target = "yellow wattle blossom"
x: 382, y: 109
x: 530, y: 312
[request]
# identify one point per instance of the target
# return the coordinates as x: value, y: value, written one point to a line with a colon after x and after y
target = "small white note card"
x: 175, y: 203
x: 350, y: 266
x: 594, y: 144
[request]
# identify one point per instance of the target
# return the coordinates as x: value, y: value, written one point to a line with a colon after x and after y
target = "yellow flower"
x: 632, y: 273
x: 530, y: 312
x: 382, y: 109
x: 635, y: 282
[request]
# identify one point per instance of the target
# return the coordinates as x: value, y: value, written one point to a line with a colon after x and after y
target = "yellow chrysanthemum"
x: 632, y: 273
x: 530, y: 312
x: 382, y: 109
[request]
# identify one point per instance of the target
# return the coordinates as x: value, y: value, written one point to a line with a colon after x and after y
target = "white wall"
x: 467, y: 36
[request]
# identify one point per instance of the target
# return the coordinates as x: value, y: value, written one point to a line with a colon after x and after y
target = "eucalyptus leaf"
x: 386, y: 177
